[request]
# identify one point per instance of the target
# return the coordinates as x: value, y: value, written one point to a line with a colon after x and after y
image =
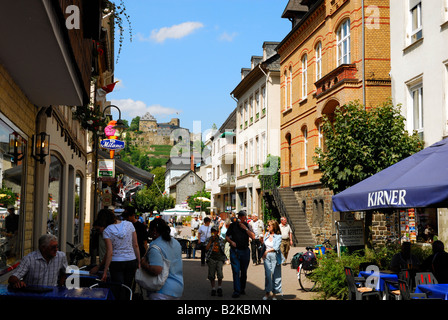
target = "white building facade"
x: 419, y: 72
x: 257, y: 125
x: 419, y: 63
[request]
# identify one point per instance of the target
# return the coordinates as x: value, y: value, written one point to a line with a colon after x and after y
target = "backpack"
x: 296, y: 260
x: 309, y: 260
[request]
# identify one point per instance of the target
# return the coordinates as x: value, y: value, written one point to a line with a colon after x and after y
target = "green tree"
x: 204, y: 205
x: 360, y: 143
x: 145, y: 200
x: 158, y: 184
x: 135, y: 124
x: 164, y: 202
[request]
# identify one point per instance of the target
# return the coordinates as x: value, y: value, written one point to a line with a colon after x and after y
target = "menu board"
x: 350, y: 233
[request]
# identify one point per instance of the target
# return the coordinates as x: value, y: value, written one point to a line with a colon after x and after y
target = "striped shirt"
x: 35, y: 270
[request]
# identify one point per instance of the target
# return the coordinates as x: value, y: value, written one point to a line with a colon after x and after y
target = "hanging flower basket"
x: 90, y: 118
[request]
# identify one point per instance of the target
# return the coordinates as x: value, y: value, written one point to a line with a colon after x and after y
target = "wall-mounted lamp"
x: 41, y: 146
x: 16, y: 147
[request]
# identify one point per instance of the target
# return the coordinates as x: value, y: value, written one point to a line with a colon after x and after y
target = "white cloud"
x: 228, y: 37
x: 134, y: 108
x: 174, y: 32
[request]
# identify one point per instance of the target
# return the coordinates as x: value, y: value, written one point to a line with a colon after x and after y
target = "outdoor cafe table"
x: 439, y: 290
x: 382, y: 277
x: 56, y: 293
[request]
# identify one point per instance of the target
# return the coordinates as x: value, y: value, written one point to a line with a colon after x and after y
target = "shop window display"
x: 11, y: 185
x: 54, y: 193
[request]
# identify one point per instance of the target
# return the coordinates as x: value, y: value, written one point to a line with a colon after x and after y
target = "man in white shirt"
x: 195, y: 223
x: 255, y: 245
x: 43, y: 267
x: 286, y: 238
x: 204, y: 232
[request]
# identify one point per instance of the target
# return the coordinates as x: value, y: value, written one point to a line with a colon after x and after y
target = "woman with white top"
x: 122, y: 252
x: 273, y: 259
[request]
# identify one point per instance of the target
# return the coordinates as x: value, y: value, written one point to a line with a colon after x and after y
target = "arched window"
x: 290, y: 87
x: 318, y: 52
x: 79, y: 212
x: 54, y: 196
x: 304, y: 76
x: 286, y: 91
x: 305, y: 147
x: 343, y: 43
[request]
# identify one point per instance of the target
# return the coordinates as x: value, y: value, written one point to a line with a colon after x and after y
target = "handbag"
x: 150, y: 282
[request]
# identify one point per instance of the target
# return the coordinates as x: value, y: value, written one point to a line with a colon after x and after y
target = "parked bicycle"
x: 308, y: 261
x: 326, y: 245
x: 77, y: 254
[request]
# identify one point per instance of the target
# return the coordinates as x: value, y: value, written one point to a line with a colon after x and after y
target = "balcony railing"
x: 345, y: 73
x: 228, y: 153
x: 227, y: 179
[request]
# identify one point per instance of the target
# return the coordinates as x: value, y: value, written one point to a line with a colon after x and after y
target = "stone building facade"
x: 334, y: 54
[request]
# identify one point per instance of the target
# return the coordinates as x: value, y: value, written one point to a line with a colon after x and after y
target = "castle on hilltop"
x: 149, y: 124
x: 153, y: 133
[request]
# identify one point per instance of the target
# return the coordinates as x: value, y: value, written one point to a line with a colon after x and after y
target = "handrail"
x: 268, y: 183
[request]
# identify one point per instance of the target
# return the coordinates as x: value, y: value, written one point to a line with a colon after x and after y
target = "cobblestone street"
x: 197, y: 286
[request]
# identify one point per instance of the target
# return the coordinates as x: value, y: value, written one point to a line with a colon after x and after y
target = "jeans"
x: 273, y: 274
x: 255, y: 246
x: 239, y: 260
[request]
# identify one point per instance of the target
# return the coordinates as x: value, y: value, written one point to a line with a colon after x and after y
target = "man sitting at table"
x: 41, y: 267
x: 404, y: 259
x: 437, y: 263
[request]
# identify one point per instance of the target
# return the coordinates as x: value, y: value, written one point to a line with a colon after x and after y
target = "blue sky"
x: 186, y: 56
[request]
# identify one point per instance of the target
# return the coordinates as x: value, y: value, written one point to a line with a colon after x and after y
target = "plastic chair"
x: 406, y: 293
x: 356, y: 287
x: 114, y: 287
x: 394, y: 294
x: 425, y: 278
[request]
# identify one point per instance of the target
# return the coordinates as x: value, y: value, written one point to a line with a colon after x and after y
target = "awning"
x: 129, y: 170
x: 227, y: 134
x: 177, y: 212
x: 420, y: 180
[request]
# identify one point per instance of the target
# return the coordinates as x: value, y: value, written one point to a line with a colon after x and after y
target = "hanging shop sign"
x: 106, y: 168
x: 112, y: 144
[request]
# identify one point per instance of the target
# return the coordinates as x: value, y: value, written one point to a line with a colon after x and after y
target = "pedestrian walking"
x: 171, y: 249
x: 255, y: 244
x: 215, y: 257
x: 272, y: 259
x: 140, y: 229
x: 238, y: 236
x: 122, y: 253
x: 222, y: 233
x: 286, y: 238
x: 204, y: 233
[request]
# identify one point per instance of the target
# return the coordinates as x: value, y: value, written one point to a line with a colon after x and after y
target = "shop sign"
x: 350, y: 233
x: 106, y: 168
x: 112, y: 144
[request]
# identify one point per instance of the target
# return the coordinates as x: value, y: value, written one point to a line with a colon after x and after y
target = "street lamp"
x: 120, y: 126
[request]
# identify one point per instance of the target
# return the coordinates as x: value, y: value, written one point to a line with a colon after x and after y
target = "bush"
x: 330, y: 276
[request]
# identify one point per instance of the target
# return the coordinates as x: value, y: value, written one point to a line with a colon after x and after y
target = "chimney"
x: 192, y: 163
